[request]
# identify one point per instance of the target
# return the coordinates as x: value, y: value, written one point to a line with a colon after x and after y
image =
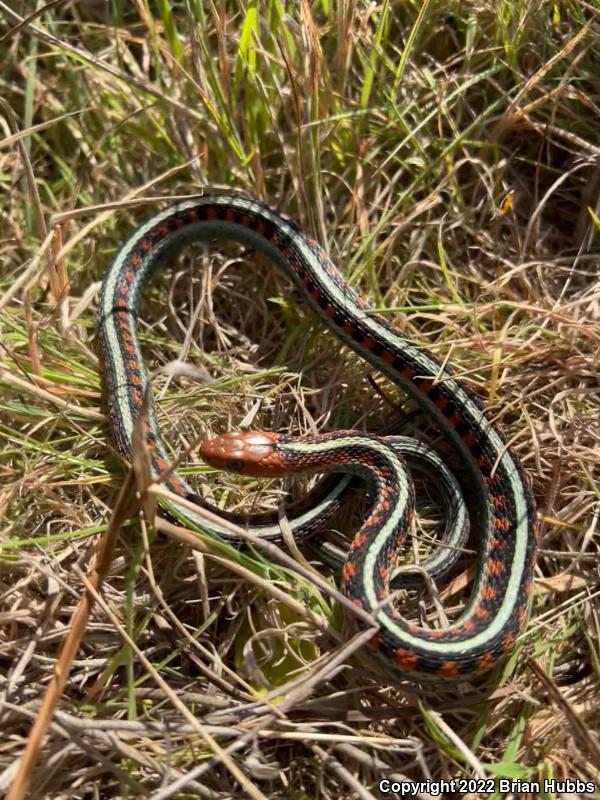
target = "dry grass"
x: 393, y: 133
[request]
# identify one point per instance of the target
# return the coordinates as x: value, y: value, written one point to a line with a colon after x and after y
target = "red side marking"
x: 135, y: 379
x: 348, y: 572
x: 274, y: 238
x: 494, y: 567
x: 521, y: 614
x: 358, y: 541
x: 358, y: 603
x: 245, y: 220
x: 384, y: 572
x: 405, y: 659
x: 448, y: 669
x: 162, y: 231
x: 480, y: 612
x: 424, y: 385
x: 133, y: 365
x: 489, y: 593
x: 261, y: 227
x: 441, y: 402
x: 468, y: 625
x: 368, y: 342
x: 407, y: 373
x: 286, y: 253
x: 192, y: 216
x: 501, y: 523
x: 470, y: 440
x: 179, y: 222
x: 136, y: 261
x: 330, y: 312
x: 230, y: 215
x: 211, y: 212
x: 146, y: 245
x: 315, y: 294
x: 176, y: 485
x: 507, y: 643
x: 388, y: 357
x: 374, y: 642
x: 532, y: 561
x: 436, y: 633
x: 348, y: 328
x: 485, y: 661
x: 497, y: 544
x: 455, y: 420
x: 454, y: 630
x: 412, y: 628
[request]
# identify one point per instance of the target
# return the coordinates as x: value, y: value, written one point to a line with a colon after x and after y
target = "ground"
x: 447, y: 156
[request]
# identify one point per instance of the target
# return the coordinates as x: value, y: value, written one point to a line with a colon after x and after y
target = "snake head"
x: 247, y: 453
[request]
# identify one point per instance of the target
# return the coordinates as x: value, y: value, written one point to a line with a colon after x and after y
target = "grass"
x: 446, y: 155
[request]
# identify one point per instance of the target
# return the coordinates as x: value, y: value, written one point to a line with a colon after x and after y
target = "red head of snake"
x: 249, y: 453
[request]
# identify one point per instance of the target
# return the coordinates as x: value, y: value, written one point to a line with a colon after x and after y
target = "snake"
x: 502, y: 503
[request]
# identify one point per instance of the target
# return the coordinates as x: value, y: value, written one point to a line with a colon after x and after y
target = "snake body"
x: 507, y: 533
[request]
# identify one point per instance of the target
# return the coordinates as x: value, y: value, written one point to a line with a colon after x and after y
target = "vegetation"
x: 447, y: 155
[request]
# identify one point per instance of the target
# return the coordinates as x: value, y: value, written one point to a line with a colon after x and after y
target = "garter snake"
x: 507, y: 533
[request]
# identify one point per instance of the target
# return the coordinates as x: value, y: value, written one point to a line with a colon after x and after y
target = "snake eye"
x: 234, y: 464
